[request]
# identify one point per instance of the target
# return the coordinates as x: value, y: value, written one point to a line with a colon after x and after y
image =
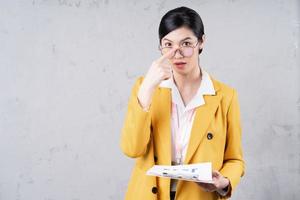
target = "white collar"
x: 206, y: 88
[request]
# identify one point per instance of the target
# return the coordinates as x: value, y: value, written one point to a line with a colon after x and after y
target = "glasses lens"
x: 184, y: 51
x: 187, y: 51
x: 166, y: 50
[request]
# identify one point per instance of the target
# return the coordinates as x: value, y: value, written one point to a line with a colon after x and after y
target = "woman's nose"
x: 177, y: 53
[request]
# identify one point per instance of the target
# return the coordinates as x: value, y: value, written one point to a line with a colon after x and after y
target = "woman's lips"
x: 180, y: 65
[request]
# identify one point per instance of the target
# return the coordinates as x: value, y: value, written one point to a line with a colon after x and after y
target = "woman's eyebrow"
x: 180, y: 40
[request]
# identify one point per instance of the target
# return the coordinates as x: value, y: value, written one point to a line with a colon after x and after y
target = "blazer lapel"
x: 203, y: 116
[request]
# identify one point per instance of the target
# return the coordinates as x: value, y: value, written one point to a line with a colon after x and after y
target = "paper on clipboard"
x: 200, y: 172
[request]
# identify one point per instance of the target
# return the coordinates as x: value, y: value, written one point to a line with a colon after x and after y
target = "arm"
x: 136, y: 130
x: 233, y: 165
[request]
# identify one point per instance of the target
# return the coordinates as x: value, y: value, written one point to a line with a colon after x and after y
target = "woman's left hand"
x: 219, y: 183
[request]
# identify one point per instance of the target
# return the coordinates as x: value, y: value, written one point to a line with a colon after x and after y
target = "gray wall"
x: 67, y: 67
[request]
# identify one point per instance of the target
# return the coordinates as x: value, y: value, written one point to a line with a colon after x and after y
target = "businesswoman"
x: 179, y: 114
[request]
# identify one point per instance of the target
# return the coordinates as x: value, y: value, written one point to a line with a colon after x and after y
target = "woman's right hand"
x: 161, y: 69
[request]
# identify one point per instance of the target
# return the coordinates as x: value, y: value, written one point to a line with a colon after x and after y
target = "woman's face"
x: 182, y: 38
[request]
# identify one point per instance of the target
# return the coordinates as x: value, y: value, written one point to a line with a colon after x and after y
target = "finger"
x: 166, y: 66
x: 167, y: 55
x: 201, y: 184
x: 216, y: 174
x: 204, y: 185
x: 207, y: 187
x: 166, y: 62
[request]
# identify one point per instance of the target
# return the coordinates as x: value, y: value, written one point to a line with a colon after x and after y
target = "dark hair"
x: 180, y: 17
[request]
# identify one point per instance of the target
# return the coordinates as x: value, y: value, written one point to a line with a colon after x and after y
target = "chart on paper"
x: 200, y: 172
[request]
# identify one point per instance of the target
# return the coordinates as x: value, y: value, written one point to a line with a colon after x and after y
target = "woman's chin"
x: 182, y: 72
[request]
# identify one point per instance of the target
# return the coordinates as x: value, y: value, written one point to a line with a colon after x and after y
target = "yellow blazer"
x: 146, y: 136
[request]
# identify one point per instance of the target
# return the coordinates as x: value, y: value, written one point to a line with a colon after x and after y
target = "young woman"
x: 179, y: 114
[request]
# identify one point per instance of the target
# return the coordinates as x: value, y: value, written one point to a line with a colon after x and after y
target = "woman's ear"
x: 202, y: 42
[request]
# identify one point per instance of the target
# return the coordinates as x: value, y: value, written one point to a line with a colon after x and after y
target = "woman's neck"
x: 189, y: 80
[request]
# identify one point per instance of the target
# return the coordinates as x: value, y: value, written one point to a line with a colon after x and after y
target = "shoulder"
x: 139, y: 80
x: 225, y: 90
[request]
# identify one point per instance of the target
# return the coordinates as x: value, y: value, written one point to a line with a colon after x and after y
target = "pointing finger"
x: 167, y: 55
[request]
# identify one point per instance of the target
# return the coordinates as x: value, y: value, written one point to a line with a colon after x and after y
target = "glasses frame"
x: 180, y: 49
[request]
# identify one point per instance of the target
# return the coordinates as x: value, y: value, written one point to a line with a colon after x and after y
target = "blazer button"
x: 154, y: 190
x: 155, y: 159
x: 210, y: 136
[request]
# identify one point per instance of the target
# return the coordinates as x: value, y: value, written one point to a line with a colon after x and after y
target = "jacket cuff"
x: 225, y: 193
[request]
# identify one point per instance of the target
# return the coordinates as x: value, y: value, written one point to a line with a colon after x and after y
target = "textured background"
x: 67, y: 67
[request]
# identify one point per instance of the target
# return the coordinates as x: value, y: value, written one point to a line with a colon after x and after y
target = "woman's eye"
x: 186, y: 44
x: 167, y: 45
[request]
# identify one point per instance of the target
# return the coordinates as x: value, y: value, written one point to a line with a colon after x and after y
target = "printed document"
x: 200, y: 172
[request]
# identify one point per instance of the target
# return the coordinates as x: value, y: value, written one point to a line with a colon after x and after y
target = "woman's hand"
x: 161, y: 69
x: 219, y: 183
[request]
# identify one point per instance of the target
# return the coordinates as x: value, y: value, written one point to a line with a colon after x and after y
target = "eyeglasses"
x: 186, y: 49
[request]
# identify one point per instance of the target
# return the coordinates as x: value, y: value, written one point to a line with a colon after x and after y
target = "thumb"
x: 216, y: 174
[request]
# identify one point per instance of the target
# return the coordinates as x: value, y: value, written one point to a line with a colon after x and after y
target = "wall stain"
x: 18, y: 191
x: 130, y: 76
x: 147, y: 8
x: 284, y: 130
x: 53, y: 48
x: 161, y: 5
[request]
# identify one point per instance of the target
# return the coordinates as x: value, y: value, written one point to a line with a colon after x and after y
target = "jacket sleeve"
x: 136, y: 129
x: 233, y: 165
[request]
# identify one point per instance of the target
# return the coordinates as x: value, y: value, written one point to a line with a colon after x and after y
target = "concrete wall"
x: 67, y: 67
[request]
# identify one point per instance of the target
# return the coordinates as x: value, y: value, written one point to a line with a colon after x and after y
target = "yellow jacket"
x: 146, y: 136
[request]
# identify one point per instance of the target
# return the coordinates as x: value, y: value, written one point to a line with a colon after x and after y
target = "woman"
x: 179, y: 114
